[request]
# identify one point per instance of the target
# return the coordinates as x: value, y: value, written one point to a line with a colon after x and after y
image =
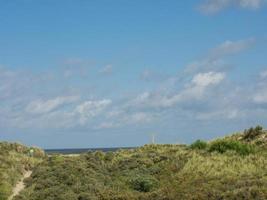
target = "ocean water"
x: 83, y: 150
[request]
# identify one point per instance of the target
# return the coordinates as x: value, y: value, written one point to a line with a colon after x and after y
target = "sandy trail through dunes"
x: 20, y: 185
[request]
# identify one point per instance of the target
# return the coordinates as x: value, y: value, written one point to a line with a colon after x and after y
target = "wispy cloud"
x: 44, y: 106
x: 203, y: 92
x: 215, y: 6
x: 231, y: 47
x: 89, y: 109
x: 215, y: 59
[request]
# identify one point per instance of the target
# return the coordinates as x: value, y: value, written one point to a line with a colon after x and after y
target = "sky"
x: 101, y: 73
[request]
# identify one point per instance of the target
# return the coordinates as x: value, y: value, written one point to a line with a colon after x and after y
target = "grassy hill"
x: 14, y: 160
x: 234, y: 167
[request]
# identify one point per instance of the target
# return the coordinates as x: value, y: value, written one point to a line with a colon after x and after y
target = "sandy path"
x: 20, y: 185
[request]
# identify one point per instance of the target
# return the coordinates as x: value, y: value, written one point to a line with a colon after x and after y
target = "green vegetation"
x: 223, y: 146
x: 255, y: 136
x: 199, y: 144
x: 229, y: 168
x: 14, y: 160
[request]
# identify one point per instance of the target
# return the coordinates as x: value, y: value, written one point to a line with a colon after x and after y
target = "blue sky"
x: 111, y: 73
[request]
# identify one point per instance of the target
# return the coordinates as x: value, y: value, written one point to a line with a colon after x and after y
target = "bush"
x: 199, y: 144
x: 252, y: 133
x: 222, y: 146
x: 143, y: 183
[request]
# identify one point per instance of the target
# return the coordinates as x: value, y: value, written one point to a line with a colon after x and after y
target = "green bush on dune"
x: 143, y: 183
x: 222, y: 146
x: 199, y: 144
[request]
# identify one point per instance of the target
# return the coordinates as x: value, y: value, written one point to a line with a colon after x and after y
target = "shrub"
x: 199, y: 144
x: 143, y: 183
x: 222, y: 146
x: 252, y: 133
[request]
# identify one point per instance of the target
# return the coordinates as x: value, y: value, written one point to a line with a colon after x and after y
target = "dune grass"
x: 14, y: 160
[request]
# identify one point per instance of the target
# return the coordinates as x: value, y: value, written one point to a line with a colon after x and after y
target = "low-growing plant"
x: 199, y: 144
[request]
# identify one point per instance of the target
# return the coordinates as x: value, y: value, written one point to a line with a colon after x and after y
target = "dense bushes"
x: 242, y: 143
x: 222, y: 146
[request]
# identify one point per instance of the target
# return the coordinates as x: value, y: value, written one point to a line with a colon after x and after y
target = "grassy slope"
x: 156, y: 172
x: 14, y: 160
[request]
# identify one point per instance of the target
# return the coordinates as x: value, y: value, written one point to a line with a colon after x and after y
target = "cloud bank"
x: 203, y: 91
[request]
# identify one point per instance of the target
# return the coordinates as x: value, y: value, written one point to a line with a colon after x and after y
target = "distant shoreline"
x: 83, y: 150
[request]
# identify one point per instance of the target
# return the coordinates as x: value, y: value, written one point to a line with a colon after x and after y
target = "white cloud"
x: 206, y: 79
x: 46, y: 106
x: 89, y: 109
x: 201, y: 94
x: 214, y: 6
x: 194, y: 90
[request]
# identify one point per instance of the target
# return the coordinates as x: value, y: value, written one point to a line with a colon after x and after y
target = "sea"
x: 84, y: 150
